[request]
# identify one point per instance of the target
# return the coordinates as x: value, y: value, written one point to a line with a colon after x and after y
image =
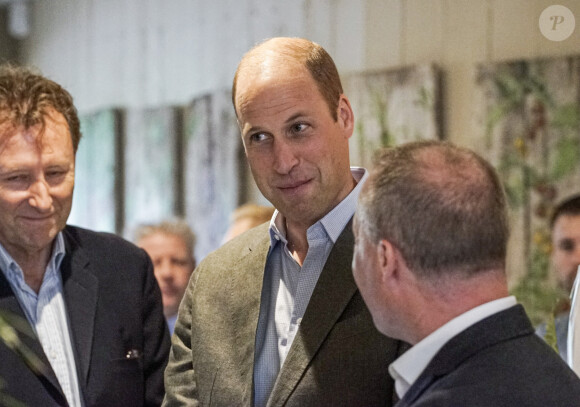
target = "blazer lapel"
x: 332, y: 293
x: 80, y: 287
x: 418, y: 388
x: 257, y: 255
x: 510, y: 323
x: 28, y: 338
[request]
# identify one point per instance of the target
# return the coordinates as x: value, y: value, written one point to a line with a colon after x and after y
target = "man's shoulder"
x: 497, y: 352
x: 96, y: 242
x: 500, y: 328
x: 255, y: 241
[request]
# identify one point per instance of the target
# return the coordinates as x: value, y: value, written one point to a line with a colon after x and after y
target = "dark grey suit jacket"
x: 338, y: 358
x: 497, y: 362
x: 114, y: 306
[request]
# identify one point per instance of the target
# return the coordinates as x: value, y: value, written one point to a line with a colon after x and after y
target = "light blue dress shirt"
x: 46, y: 312
x: 287, y: 287
x: 171, y: 323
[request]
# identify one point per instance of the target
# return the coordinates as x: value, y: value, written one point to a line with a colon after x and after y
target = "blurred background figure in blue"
x: 170, y: 244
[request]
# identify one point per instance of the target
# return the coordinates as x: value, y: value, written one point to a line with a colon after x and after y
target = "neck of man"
x: 445, y: 300
x: 296, y: 232
x: 33, y: 265
x: 297, y: 241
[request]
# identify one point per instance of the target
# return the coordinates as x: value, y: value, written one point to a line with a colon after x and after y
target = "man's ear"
x: 389, y: 262
x: 345, y: 115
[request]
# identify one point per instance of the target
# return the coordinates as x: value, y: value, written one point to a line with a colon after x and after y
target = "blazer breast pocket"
x: 133, y: 361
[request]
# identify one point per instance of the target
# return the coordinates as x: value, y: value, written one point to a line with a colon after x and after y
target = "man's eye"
x: 258, y: 137
x: 567, y: 245
x: 298, y: 127
x: 55, y: 174
x: 16, y: 178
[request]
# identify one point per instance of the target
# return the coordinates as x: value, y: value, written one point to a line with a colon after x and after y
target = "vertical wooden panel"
x: 320, y: 18
x: 349, y: 51
x: 151, y: 187
x: 423, y: 30
x: 515, y: 29
x: 465, y: 43
x: 95, y: 197
x: 211, y: 168
x: 383, y: 34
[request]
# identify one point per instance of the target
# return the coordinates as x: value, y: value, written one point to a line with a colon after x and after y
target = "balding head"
x: 268, y: 58
x: 442, y: 206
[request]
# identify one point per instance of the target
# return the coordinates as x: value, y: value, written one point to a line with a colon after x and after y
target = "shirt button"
x: 284, y: 342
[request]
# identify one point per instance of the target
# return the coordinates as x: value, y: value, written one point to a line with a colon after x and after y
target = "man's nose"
x: 284, y: 157
x: 40, y: 195
x: 163, y: 270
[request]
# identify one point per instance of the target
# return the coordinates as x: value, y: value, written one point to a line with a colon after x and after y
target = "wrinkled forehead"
x: 36, y: 132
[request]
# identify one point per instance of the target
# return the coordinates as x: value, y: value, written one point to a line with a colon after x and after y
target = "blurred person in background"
x: 170, y: 244
x: 565, y: 258
x: 246, y: 217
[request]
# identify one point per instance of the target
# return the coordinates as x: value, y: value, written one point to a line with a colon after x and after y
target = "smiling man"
x: 274, y: 317
x: 89, y: 301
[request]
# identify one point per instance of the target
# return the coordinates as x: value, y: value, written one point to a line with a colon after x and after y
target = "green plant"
x: 540, y: 147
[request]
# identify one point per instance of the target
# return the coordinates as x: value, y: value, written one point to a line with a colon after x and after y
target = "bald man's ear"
x: 389, y: 260
x: 345, y: 115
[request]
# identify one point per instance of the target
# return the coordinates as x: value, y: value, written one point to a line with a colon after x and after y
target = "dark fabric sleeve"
x: 180, y: 384
x: 156, y: 339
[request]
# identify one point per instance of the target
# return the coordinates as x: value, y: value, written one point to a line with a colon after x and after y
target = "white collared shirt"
x: 46, y: 312
x: 409, y: 366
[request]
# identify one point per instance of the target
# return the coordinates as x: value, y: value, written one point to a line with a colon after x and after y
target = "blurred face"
x: 297, y: 153
x: 172, y: 265
x: 238, y: 227
x: 36, y: 187
x: 566, y: 249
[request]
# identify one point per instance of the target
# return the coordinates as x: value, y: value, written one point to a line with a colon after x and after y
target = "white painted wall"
x: 149, y: 53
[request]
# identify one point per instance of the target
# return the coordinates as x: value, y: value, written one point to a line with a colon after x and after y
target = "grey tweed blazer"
x: 338, y: 358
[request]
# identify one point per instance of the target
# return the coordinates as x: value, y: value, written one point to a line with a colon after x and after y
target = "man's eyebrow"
x: 294, y: 117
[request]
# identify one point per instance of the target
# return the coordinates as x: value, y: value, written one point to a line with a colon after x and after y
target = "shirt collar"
x: 409, y: 366
x: 333, y: 222
x: 14, y: 273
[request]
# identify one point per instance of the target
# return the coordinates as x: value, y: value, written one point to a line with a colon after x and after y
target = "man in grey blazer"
x: 431, y: 232
x: 274, y: 316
